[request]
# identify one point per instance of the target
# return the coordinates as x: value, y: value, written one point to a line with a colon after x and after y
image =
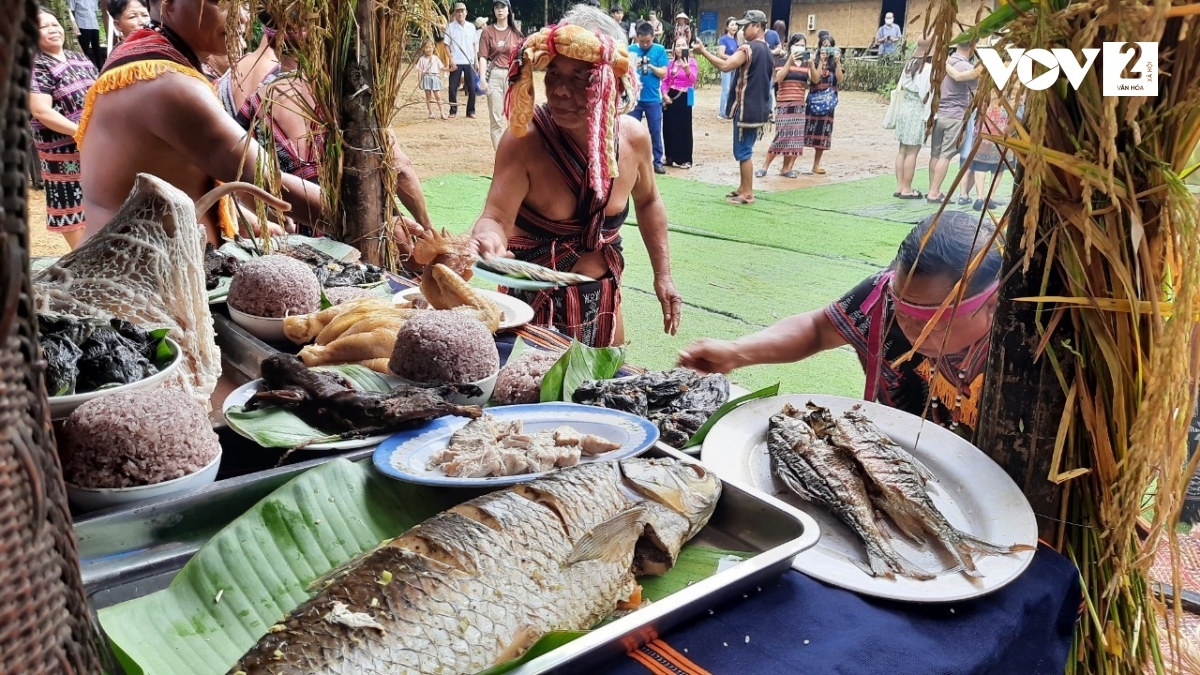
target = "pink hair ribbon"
x: 874, y: 309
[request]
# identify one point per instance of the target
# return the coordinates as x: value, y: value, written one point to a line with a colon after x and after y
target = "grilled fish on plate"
x: 477, y: 585
x: 896, y: 480
x: 824, y: 475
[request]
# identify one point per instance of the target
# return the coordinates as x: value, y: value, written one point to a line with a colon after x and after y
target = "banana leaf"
x: 260, y: 567
x: 724, y: 410
x: 577, y: 365
x: 257, y: 569
x: 279, y: 428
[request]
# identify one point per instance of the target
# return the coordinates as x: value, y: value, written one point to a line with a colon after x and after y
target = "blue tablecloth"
x: 798, y: 625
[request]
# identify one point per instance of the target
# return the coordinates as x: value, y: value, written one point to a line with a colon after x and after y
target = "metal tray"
x: 132, y: 553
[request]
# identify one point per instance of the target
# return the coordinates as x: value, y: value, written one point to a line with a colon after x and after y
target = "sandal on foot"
x: 915, y: 195
x: 818, y: 171
x: 739, y: 200
x: 760, y: 173
x: 935, y: 200
x: 790, y: 174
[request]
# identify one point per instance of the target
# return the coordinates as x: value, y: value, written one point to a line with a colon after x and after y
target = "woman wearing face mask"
x: 128, y: 16
x: 912, y: 113
x: 57, y: 92
x: 682, y: 73
x: 882, y: 317
x: 790, y: 104
x: 825, y: 76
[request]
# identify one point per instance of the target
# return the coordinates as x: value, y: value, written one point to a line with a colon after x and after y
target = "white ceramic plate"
x: 62, y: 406
x: 94, y: 499
x: 243, y: 393
x: 405, y: 456
x: 972, y: 491
x: 515, y: 312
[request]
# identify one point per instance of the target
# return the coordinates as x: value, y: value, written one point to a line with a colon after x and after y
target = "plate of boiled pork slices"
x: 908, y: 510
x: 512, y: 444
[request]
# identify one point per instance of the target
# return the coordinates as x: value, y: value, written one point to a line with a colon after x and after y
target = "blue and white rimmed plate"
x: 405, y: 455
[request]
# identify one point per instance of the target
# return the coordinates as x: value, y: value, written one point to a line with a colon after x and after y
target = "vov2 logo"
x: 1140, y: 59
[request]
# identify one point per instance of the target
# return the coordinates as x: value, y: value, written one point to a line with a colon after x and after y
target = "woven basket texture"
x: 44, y: 621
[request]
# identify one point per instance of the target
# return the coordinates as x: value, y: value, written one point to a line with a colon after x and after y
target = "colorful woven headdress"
x: 607, y: 86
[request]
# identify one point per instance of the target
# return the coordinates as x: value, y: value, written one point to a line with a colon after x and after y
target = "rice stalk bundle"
x: 1101, y: 183
x: 327, y: 40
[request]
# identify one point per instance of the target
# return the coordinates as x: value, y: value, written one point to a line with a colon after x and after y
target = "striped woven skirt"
x: 64, y: 193
x: 789, y: 130
x: 818, y: 131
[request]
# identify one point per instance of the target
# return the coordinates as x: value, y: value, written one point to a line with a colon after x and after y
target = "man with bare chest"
x: 152, y: 111
x: 563, y: 180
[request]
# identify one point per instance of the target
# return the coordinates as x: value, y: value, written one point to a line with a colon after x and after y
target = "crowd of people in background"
x: 786, y: 87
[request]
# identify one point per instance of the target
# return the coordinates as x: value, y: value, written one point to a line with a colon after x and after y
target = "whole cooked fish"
x: 478, y: 584
x: 824, y: 475
x: 896, y: 480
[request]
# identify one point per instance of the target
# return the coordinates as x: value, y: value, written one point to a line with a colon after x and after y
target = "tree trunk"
x: 361, y: 194
x: 1023, y: 400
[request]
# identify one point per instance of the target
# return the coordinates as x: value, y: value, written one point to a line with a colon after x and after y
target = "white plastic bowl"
x: 62, y: 406
x: 264, y: 328
x: 487, y: 385
x: 94, y: 499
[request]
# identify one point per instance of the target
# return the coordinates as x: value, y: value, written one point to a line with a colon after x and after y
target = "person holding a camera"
x: 790, y: 105
x: 750, y: 102
x: 650, y: 60
x: 824, y: 76
x: 677, y: 87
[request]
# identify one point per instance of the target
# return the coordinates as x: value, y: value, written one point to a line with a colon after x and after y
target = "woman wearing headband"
x: 885, y: 315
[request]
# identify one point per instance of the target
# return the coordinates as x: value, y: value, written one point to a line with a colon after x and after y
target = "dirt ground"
x: 861, y: 148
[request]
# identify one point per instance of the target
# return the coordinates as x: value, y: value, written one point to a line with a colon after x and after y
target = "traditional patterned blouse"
x: 950, y: 387
x: 67, y: 82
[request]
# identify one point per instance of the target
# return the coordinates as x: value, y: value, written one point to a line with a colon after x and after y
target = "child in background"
x: 429, y: 67
x: 993, y: 121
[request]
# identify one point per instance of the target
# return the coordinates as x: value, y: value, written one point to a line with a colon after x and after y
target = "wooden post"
x: 1022, y: 402
x: 361, y: 194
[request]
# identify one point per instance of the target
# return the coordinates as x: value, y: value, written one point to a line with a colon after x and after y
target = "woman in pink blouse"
x: 677, y: 95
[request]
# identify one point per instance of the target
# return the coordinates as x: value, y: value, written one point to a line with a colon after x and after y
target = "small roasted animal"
x: 478, y: 584
x: 444, y: 289
x: 327, y: 401
x: 824, y: 475
x: 490, y: 447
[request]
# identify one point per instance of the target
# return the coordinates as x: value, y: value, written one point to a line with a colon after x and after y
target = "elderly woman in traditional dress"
x: 128, y: 16
x: 586, y: 166
x: 61, y: 79
x: 885, y: 315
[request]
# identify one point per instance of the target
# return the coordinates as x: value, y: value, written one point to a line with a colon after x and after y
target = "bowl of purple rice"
x: 135, y: 446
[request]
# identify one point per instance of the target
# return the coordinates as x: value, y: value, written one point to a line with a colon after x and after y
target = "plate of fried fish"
x: 512, y: 444
x: 908, y: 510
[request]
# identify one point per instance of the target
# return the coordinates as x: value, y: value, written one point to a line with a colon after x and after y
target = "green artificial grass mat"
x: 738, y: 268
x: 872, y: 198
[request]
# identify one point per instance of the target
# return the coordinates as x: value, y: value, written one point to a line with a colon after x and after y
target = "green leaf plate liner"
x: 256, y: 570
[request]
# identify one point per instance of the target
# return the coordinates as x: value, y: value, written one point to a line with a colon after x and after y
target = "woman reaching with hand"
x: 882, y: 318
